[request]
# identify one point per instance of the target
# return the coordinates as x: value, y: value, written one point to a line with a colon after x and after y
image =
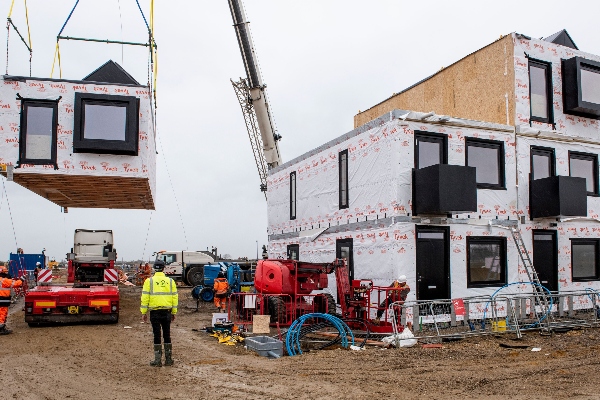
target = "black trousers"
x: 161, y: 319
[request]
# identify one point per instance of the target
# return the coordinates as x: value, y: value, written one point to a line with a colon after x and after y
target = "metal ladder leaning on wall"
x: 540, y: 296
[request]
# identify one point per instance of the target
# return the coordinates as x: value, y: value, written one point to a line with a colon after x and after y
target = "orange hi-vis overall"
x: 220, y: 288
x: 6, y: 285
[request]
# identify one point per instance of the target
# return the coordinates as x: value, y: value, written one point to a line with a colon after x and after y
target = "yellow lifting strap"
x: 56, y: 55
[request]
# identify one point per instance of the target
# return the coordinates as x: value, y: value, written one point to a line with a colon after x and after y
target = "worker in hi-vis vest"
x: 6, y: 284
x: 221, y: 287
x: 159, y: 296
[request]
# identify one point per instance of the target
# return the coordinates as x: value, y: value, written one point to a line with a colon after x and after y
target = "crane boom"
x: 251, y: 93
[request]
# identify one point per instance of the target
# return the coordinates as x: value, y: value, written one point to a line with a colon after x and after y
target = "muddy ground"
x: 111, y: 362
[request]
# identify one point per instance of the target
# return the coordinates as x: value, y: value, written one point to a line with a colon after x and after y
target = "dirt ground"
x: 111, y: 362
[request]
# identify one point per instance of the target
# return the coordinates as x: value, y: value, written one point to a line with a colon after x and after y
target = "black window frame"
x: 501, y: 240
x: 572, y: 94
x: 587, y: 156
x: 25, y: 104
x: 99, y: 146
x: 432, y: 138
x: 293, y: 247
x: 490, y: 144
x: 541, y: 151
x: 549, y: 90
x: 343, y: 200
x: 293, y: 198
x: 596, y: 243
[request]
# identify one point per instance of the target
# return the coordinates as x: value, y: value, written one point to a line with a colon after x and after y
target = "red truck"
x: 90, y: 294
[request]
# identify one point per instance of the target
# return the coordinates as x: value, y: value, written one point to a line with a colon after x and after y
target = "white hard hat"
x: 38, y: 263
x: 402, y: 279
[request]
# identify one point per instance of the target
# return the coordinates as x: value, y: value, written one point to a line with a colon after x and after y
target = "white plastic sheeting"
x: 141, y: 166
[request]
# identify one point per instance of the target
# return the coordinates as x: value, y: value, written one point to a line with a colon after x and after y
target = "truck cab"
x: 186, y: 266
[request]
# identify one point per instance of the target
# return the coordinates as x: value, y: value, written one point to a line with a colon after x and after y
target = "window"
x: 487, y: 156
x: 585, y: 165
x: 343, y: 173
x: 37, y: 139
x: 581, y: 87
x: 105, y: 124
x: 486, y: 261
x: 584, y: 259
x: 430, y: 149
x: 168, y: 258
x: 543, y: 162
x: 540, y: 91
x: 293, y: 195
x: 293, y: 252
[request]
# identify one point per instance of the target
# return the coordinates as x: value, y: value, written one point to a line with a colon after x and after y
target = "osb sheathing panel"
x: 476, y: 87
x: 88, y: 191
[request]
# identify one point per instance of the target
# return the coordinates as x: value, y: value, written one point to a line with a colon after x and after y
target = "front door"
x: 545, y: 258
x: 433, y: 265
x: 343, y: 249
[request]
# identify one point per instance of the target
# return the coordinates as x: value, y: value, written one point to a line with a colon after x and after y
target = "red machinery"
x: 91, y: 292
x: 288, y: 287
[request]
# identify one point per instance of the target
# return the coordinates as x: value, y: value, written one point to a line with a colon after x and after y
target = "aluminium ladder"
x: 540, y: 296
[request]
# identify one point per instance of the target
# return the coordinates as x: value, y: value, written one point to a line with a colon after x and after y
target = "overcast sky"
x: 323, y: 61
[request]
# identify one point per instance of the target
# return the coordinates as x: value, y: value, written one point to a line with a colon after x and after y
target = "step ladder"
x: 540, y: 296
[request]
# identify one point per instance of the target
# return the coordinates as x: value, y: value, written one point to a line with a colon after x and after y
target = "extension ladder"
x: 540, y: 296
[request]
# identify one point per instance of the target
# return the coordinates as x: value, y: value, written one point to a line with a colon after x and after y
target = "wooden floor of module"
x: 89, y: 191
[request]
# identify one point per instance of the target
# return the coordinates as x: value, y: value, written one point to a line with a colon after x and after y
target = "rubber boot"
x: 157, y: 356
x: 4, y: 330
x: 168, y: 354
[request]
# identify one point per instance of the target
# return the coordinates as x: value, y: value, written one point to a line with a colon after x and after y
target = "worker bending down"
x: 221, y: 287
x: 159, y: 296
x: 397, y: 294
x: 6, y: 285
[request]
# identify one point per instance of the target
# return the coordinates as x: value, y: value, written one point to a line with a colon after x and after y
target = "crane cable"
x: 10, y: 213
x: 27, y: 43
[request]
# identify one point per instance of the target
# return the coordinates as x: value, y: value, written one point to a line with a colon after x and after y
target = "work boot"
x: 168, y: 354
x: 157, y: 356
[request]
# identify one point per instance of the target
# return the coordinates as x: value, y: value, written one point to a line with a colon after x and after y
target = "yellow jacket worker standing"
x: 159, y: 296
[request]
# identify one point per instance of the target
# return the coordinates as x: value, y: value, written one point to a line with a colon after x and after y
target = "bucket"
x: 499, y: 326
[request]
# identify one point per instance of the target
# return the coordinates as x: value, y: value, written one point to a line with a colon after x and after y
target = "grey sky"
x: 323, y: 60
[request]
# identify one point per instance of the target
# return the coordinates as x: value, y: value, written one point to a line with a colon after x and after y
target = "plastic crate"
x: 265, y: 346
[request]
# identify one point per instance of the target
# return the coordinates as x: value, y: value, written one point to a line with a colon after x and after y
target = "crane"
x: 251, y: 93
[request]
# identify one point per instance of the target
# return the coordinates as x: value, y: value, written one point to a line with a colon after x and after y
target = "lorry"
x: 90, y: 293
x: 188, y: 266
x: 185, y: 266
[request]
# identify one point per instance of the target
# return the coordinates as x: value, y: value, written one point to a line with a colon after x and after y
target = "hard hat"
x: 3, y: 269
x: 159, y: 265
x: 221, y: 275
x: 402, y: 279
x: 38, y: 263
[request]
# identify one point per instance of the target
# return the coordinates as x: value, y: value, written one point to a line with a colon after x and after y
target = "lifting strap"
x: 27, y: 43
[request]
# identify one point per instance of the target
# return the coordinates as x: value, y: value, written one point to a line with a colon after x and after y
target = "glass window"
x: 486, y: 261
x: 343, y: 174
x: 430, y: 149
x: 293, y: 252
x: 590, y: 85
x: 540, y: 96
x: 487, y: 156
x: 293, y: 195
x: 585, y: 165
x: 584, y: 259
x: 106, y: 124
x: 37, y: 142
x: 542, y: 163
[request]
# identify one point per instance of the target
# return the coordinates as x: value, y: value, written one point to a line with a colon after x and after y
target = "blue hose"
x: 292, y: 338
x: 533, y: 305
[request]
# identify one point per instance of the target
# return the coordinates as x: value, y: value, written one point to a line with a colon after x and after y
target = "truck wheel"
x: 195, y: 275
x: 207, y: 294
x: 277, y: 309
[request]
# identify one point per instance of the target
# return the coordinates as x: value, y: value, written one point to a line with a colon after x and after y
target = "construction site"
x: 446, y: 245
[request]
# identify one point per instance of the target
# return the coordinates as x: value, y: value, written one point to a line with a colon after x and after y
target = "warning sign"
x: 459, y: 306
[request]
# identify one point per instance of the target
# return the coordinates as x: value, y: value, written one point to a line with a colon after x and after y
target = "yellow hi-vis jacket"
x: 159, y: 293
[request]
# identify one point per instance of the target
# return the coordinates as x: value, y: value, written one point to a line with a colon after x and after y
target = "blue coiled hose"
x: 292, y: 338
x: 533, y: 305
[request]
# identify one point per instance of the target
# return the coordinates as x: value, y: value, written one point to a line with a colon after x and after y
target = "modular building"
x: 88, y: 143
x: 506, y: 138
